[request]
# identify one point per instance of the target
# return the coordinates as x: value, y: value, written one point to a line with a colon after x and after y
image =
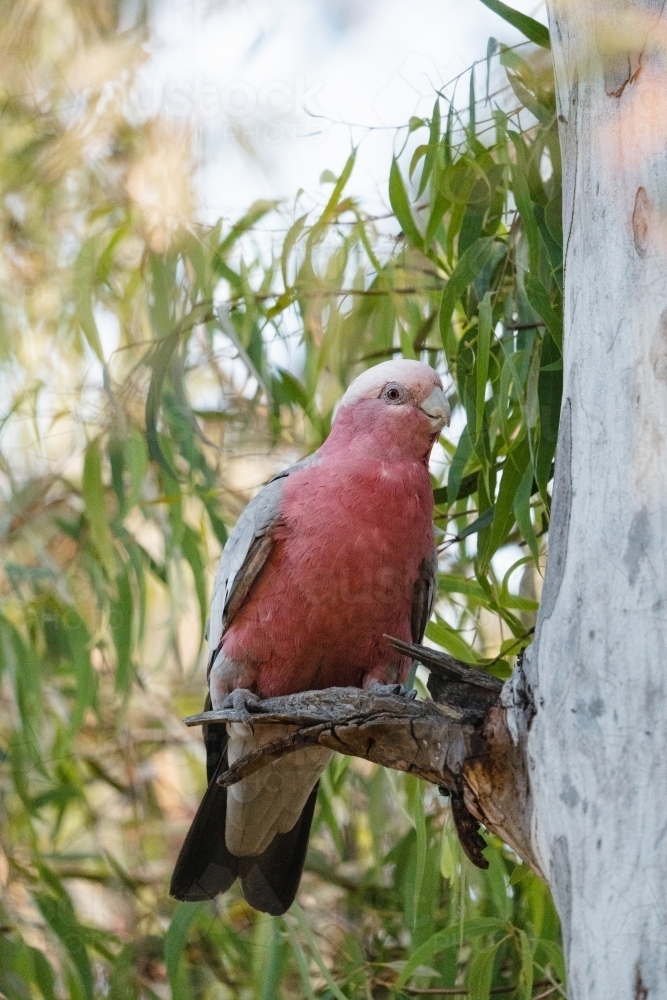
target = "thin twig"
x: 460, y: 991
x: 326, y: 293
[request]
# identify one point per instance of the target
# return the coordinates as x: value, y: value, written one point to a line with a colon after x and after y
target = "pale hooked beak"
x: 436, y: 408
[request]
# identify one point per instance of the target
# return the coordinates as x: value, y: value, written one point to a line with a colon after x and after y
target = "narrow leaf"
x: 482, y: 360
x: 401, y: 207
x: 256, y: 212
x: 300, y: 959
x: 521, y: 191
x: 472, y: 123
x: 519, y: 874
x: 550, y: 391
x: 93, y: 491
x: 513, y: 472
x: 449, y: 850
x: 448, y: 938
x: 160, y: 363
x: 522, y: 512
x: 479, y: 524
x: 415, y: 797
x: 464, y: 450
x: 44, y: 976
x: 59, y: 915
x: 526, y: 965
x: 315, y: 952
x: 84, y: 276
x: 136, y: 463
x: 491, y: 48
x: 121, y: 629
x: 444, y: 635
x: 431, y: 149
x: 470, y: 264
x: 191, y: 548
x: 539, y: 300
x: 480, y: 974
x: 174, y: 943
x: 528, y: 26
x: 78, y: 641
x: 327, y: 216
x: 293, y: 234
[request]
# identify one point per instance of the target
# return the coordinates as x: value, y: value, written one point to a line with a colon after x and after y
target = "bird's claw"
x: 243, y: 702
x: 377, y: 687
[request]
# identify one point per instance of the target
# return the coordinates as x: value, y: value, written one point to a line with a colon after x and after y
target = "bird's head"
x: 399, y: 405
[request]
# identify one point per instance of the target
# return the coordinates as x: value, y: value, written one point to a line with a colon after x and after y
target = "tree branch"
x: 461, y: 991
x: 459, y: 741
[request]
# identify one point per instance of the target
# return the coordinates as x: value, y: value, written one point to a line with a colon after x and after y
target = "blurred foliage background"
x: 122, y: 469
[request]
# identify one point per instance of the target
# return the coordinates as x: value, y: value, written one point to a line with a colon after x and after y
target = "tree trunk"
x: 595, y: 676
x: 569, y: 764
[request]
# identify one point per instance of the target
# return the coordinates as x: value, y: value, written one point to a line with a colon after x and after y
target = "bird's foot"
x: 377, y: 687
x: 243, y: 702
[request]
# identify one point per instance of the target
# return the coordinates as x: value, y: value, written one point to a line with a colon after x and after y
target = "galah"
x: 330, y: 556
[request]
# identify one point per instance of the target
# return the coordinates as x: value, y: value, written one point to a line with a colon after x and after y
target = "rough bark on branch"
x: 459, y: 742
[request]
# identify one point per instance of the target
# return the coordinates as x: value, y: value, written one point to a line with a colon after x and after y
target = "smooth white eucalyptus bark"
x: 597, y: 671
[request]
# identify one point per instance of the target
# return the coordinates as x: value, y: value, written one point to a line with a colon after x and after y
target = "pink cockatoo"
x: 330, y: 556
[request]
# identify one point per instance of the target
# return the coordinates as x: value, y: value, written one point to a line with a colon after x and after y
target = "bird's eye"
x: 394, y: 392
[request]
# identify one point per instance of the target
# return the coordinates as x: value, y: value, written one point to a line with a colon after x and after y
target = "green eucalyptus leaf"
x: 431, y: 149
x: 528, y: 26
x: 480, y: 974
x: 519, y: 873
x: 479, y: 524
x: 484, y: 332
x: 526, y: 952
x: 462, y: 455
x: 450, y: 937
x: 330, y: 209
x: 256, y: 212
x: 94, y: 496
x: 315, y: 952
x: 59, y: 915
x: 191, y: 547
x: 84, y: 281
x: 416, y: 804
x: 401, y: 206
x: 160, y: 362
x: 513, y: 472
x: 522, y: 196
x: 539, y: 300
x: 471, y: 263
x: 136, y: 463
x: 44, y: 975
x: 174, y: 945
x: 554, y: 956
x: 121, y: 620
x: 522, y: 511
x: 550, y: 391
x: 291, y: 239
x: 78, y: 639
x: 452, y: 641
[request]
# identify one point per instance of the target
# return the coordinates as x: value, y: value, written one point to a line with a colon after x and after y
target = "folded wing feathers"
x: 245, y: 553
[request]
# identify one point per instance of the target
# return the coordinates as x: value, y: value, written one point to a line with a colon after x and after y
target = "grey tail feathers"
x: 205, y: 868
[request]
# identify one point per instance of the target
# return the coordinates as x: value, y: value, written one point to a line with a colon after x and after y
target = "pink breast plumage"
x: 351, y: 538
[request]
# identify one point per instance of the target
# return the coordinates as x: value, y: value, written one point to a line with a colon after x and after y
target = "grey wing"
x: 245, y: 554
x: 423, y: 596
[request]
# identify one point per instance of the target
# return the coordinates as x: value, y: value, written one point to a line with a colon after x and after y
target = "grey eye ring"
x: 394, y: 393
